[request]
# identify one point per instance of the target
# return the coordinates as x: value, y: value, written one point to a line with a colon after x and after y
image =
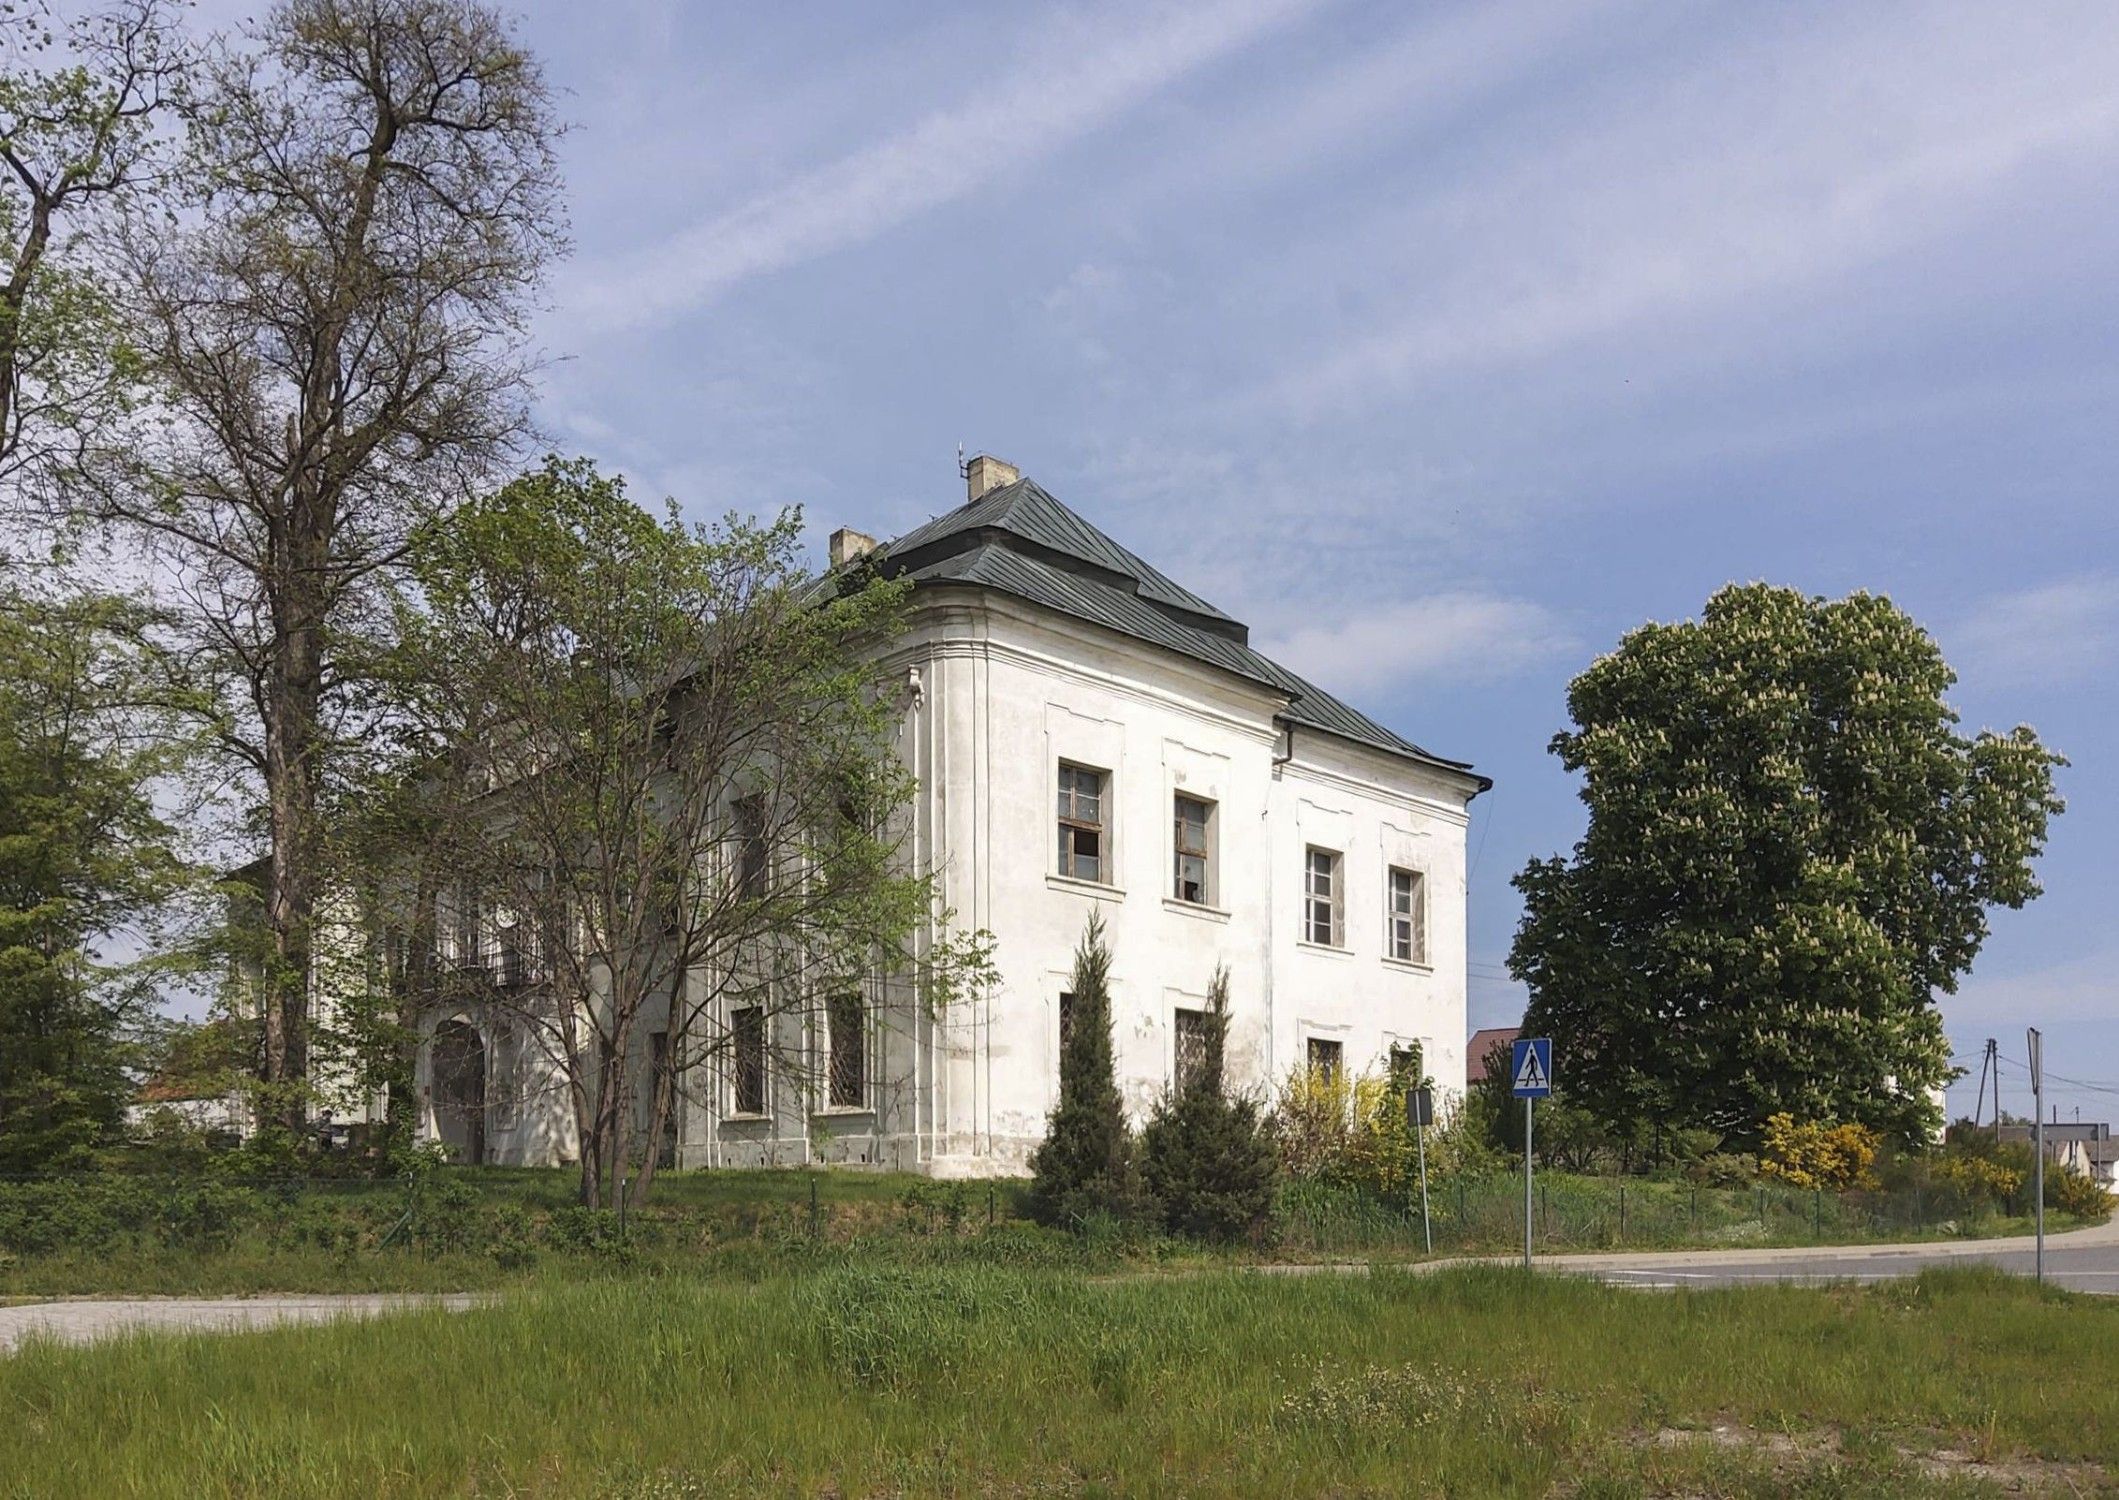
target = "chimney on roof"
x: 848, y: 544
x: 985, y: 474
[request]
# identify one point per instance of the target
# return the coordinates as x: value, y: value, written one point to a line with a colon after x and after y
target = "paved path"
x: 2085, y: 1260
x: 77, y: 1321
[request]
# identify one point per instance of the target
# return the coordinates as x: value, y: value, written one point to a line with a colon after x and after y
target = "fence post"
x: 1761, y: 1207
x: 1695, y: 1211
x: 989, y: 1205
x: 1817, y: 1230
x: 1622, y: 1212
x: 813, y: 1208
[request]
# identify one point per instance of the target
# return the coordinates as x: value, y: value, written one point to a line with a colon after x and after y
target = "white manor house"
x: 1087, y: 736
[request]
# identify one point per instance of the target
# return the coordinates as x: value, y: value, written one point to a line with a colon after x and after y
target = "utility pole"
x: 1994, y: 1061
x: 1979, y: 1103
x: 2037, y: 1049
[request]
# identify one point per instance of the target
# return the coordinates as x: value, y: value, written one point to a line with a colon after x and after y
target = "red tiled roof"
x: 1483, y: 1042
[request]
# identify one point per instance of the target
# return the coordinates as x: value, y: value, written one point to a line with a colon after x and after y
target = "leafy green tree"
x: 1790, y: 850
x: 328, y: 307
x: 1085, y: 1165
x: 1206, y: 1158
x: 80, y: 105
x: 662, y: 786
x: 84, y: 861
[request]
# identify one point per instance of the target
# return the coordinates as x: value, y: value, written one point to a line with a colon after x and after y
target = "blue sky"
x: 1441, y: 343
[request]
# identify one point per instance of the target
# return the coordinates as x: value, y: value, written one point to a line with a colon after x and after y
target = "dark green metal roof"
x: 1019, y: 540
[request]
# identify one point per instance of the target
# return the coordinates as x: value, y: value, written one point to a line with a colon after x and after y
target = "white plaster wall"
x: 1011, y: 695
x: 1005, y: 694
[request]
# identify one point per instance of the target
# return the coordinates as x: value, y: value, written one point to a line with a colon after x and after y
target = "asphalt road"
x: 2083, y: 1260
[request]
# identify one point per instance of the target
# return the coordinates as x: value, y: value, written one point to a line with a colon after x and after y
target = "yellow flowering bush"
x: 1814, y: 1155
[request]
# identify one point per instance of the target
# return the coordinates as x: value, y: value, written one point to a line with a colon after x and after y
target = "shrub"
x: 1813, y: 1155
x: 2076, y: 1193
x: 1085, y: 1165
x: 1723, y: 1169
x: 1310, y: 1124
x: 1206, y: 1158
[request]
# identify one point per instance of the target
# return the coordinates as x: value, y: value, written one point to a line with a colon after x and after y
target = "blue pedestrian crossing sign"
x: 1531, y: 1068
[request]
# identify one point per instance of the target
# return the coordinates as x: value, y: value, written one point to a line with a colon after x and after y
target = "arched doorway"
x: 457, y: 1058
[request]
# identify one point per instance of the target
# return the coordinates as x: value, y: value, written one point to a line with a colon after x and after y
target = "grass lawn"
x: 859, y: 1381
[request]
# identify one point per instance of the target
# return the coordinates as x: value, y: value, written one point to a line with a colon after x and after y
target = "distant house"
x: 2084, y: 1146
x: 1481, y: 1046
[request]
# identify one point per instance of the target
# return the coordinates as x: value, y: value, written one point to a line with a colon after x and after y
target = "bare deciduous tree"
x: 333, y: 335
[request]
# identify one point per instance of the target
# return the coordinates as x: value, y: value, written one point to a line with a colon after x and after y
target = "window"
x: 751, y: 858
x: 1081, y: 823
x: 846, y: 1019
x: 1405, y: 1065
x: 658, y: 1054
x: 1066, y: 1018
x: 1192, y: 883
x: 1325, y: 1058
x: 1409, y: 916
x: 747, y: 1035
x: 1322, y: 898
x: 1191, y: 1056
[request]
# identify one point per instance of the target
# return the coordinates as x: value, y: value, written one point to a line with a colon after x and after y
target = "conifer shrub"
x: 1207, y: 1158
x: 1085, y: 1168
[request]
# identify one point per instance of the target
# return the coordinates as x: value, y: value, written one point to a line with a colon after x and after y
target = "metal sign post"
x: 1531, y: 1071
x: 1420, y: 1104
x: 2037, y: 1047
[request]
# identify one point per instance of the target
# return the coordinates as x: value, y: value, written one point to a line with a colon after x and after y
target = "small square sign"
x: 1531, y: 1068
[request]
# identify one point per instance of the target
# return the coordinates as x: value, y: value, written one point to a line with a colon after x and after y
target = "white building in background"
x: 1088, y: 737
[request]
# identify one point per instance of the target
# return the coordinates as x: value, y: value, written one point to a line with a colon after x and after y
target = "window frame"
x: 1334, y: 896
x: 846, y: 1066
x: 1204, y: 852
x: 746, y: 1029
x: 1069, y: 823
x: 1413, y: 918
x: 1326, y: 1057
x: 1186, y: 1018
x: 752, y: 863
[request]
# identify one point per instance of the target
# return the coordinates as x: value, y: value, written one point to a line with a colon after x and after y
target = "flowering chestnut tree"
x: 1791, y: 851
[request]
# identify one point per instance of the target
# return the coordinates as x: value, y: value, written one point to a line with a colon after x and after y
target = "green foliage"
x: 1206, y: 1158
x: 1790, y: 850
x: 606, y: 695
x: 83, y: 855
x: 1085, y: 1165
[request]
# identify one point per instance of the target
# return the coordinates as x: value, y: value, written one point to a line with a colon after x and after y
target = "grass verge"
x: 977, y: 1380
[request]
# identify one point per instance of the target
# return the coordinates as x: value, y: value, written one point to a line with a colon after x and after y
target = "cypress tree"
x: 1205, y: 1157
x: 1085, y: 1165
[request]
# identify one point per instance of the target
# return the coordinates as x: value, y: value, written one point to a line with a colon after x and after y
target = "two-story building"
x: 1089, y: 736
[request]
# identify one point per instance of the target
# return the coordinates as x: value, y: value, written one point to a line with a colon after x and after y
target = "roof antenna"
x: 963, y: 470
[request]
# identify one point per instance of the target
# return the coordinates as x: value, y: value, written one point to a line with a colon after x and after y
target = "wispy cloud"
x: 1073, y: 81
x: 1451, y: 636
x: 1721, y: 184
x: 2054, y: 635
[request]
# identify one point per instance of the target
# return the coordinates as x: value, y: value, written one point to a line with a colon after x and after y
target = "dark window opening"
x: 846, y: 1021
x: 1325, y: 1058
x: 747, y: 1028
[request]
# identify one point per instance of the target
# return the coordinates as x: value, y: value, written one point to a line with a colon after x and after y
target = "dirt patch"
x: 2017, y: 1475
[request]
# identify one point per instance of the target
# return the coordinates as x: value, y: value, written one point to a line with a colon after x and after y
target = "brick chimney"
x: 847, y: 544
x: 985, y: 474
